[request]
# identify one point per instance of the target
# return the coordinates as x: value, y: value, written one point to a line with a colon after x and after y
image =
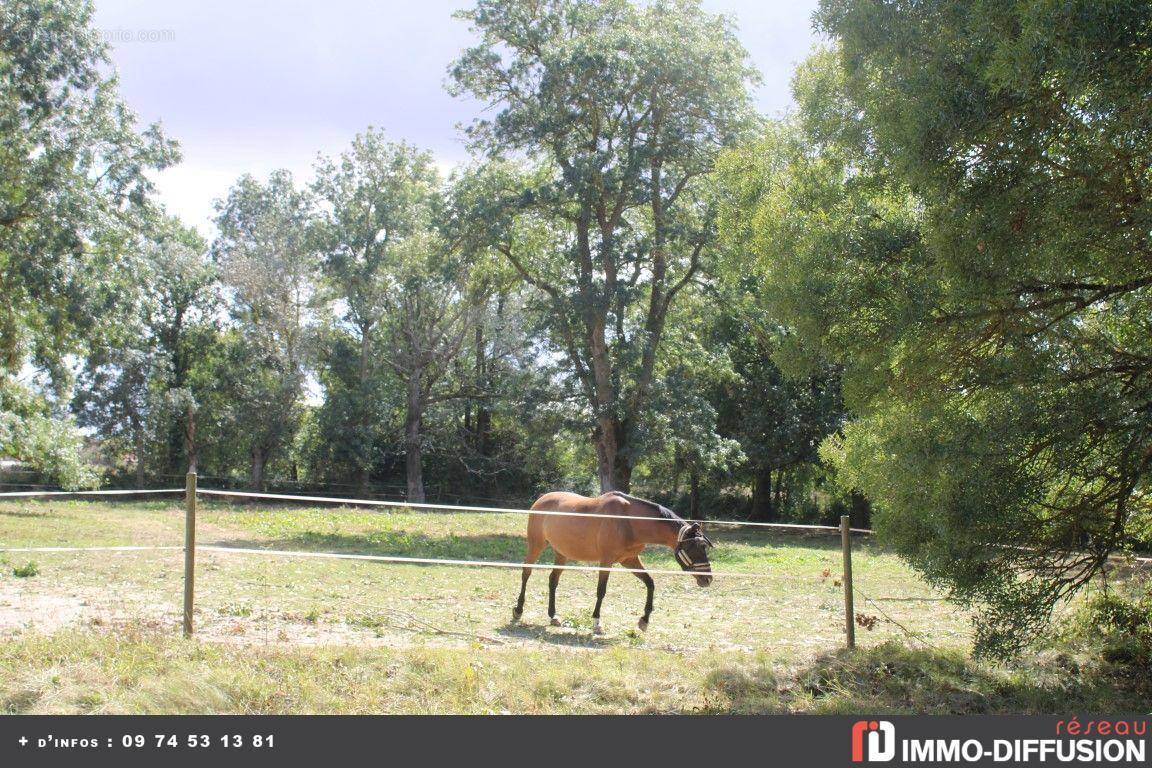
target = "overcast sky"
x: 250, y: 85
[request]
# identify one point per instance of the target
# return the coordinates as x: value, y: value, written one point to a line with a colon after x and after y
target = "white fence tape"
x: 408, y: 505
x: 383, y: 559
x: 29, y: 494
x: 93, y: 549
x: 474, y: 563
x: 460, y: 508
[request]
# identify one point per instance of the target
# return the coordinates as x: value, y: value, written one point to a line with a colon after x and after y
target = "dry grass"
x: 793, y: 610
x: 98, y: 632
x: 138, y: 670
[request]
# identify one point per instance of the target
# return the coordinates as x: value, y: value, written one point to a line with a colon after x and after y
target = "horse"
x: 628, y: 526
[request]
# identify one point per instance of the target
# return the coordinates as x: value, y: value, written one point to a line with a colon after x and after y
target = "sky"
x: 248, y: 86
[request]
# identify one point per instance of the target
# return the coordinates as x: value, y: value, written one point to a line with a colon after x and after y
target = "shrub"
x: 1123, y: 626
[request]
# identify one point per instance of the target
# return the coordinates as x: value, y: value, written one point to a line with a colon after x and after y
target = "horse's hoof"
x: 597, y: 629
x: 517, y: 613
x: 643, y: 624
x: 555, y: 622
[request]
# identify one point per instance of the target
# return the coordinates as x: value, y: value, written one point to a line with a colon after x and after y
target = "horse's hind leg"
x: 638, y: 569
x: 553, y: 580
x: 601, y: 590
x: 536, y: 545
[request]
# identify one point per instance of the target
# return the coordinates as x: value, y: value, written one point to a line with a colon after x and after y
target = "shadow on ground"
x: 564, y: 636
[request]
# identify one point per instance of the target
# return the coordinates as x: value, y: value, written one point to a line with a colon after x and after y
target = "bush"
x: 1123, y: 627
x: 27, y: 570
x: 52, y: 446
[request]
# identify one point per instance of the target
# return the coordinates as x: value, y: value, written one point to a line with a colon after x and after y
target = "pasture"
x: 99, y: 631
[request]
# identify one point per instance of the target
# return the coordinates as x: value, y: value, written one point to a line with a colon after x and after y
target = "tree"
x: 778, y: 420
x: 179, y: 311
x: 430, y: 315
x: 120, y: 395
x: 376, y: 196
x: 623, y: 109
x: 267, y: 265
x: 73, y: 179
x: 684, y: 424
x: 33, y: 432
x: 73, y: 186
x: 962, y: 224
x: 505, y: 377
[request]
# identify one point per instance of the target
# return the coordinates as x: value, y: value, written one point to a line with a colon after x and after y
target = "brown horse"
x: 634, y: 523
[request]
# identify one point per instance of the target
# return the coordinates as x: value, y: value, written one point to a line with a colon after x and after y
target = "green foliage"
x: 26, y: 571
x: 779, y: 421
x: 73, y: 182
x: 265, y: 257
x: 51, y: 444
x: 1121, y: 626
x: 957, y: 219
x: 377, y: 196
x: 73, y: 190
x: 129, y: 384
x: 681, y: 434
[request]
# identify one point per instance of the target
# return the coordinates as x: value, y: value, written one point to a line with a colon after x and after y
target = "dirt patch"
x: 26, y: 606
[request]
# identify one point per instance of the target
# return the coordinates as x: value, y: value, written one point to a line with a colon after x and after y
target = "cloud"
x: 253, y: 86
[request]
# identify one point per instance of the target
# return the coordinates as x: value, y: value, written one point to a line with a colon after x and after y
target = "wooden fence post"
x: 849, y: 612
x: 189, y: 549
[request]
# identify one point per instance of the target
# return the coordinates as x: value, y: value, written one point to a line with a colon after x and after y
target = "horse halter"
x: 684, y: 558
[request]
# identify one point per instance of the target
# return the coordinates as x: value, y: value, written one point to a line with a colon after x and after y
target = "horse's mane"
x: 661, y: 510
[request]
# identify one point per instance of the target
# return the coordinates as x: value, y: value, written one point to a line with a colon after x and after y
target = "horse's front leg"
x: 638, y: 569
x: 601, y: 589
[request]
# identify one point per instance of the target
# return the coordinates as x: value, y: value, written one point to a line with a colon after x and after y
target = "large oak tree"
x: 623, y: 109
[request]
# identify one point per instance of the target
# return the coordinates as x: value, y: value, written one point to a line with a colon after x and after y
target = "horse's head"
x: 692, y: 553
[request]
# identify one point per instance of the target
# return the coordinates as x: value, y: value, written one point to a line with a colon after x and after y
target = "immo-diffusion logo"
x: 1095, y: 742
x: 880, y: 736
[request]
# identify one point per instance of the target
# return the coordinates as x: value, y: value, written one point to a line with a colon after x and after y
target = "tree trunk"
x: 763, y: 508
x: 615, y: 467
x: 180, y: 456
x: 483, y: 424
x: 859, y: 510
x: 259, y: 457
x: 694, y: 494
x: 362, y: 471
x: 778, y: 493
x: 139, y: 440
x: 413, y: 440
x: 484, y: 430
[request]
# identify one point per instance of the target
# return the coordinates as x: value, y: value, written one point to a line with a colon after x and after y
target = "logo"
x: 881, y: 741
